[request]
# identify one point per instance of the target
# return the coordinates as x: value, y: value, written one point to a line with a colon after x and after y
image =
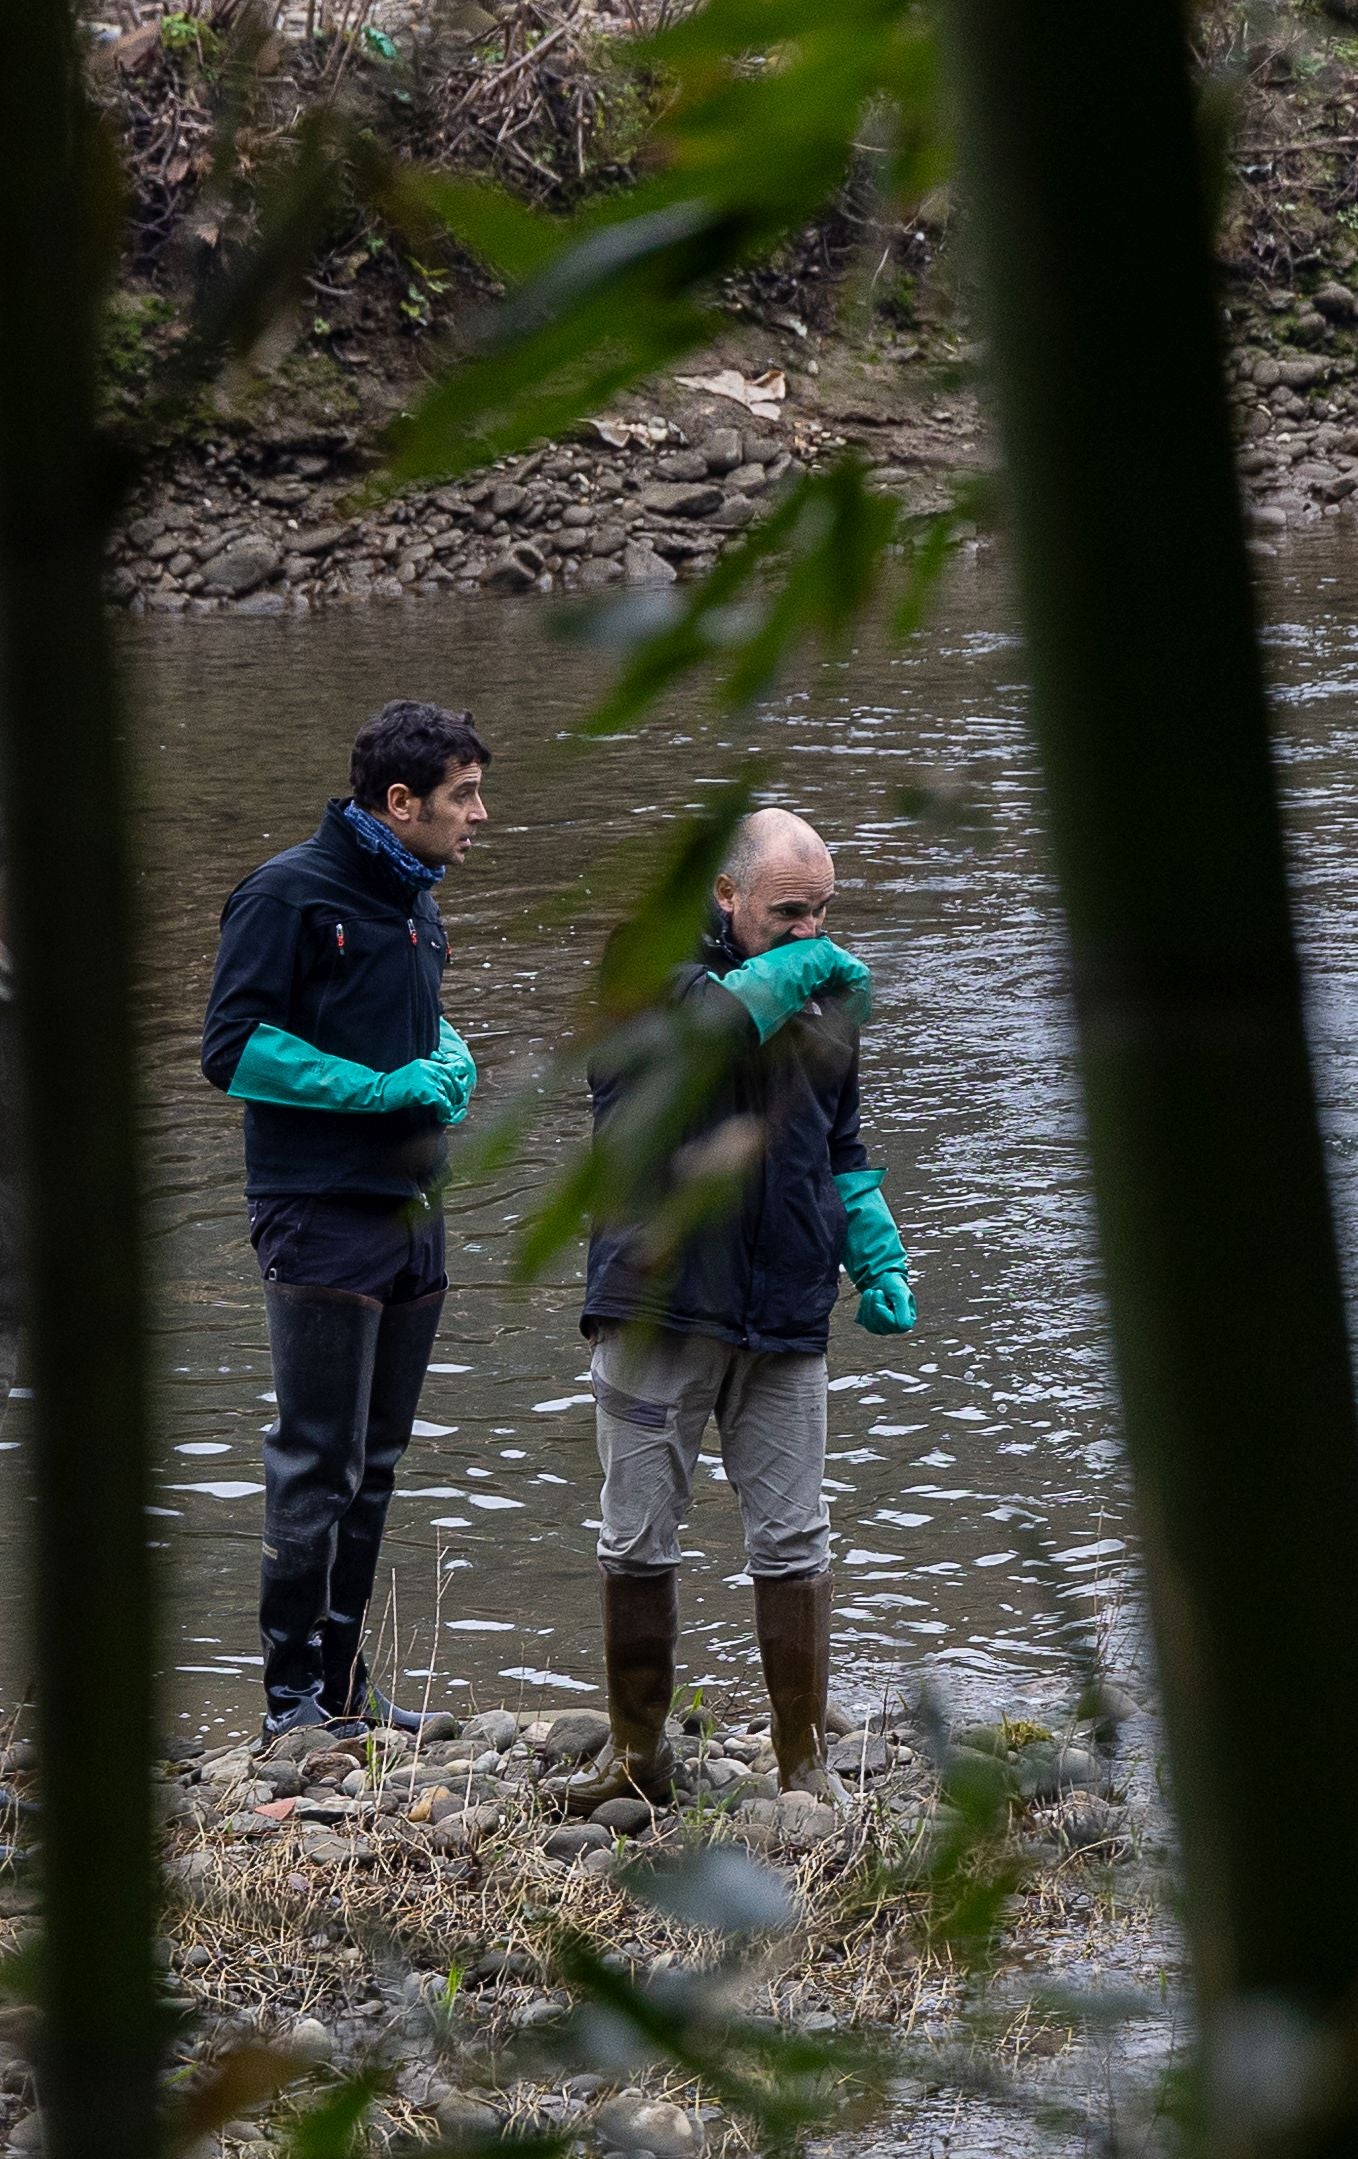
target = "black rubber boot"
x: 323, y: 1343
x: 404, y: 1343
x: 792, y: 1621
x: 641, y: 1633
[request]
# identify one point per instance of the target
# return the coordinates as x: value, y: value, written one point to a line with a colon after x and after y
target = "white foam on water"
x: 479, y: 1626
x: 452, y: 1367
x: 491, y: 1501
x: 423, y: 1429
x: 561, y: 1401
x: 452, y: 1521
x: 203, y: 1446
x: 229, y: 1488
x: 534, y: 1678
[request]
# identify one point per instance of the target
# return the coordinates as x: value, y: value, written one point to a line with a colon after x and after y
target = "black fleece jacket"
x: 765, y: 1274
x: 326, y: 942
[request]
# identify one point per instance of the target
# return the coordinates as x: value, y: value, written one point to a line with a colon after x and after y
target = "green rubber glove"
x: 775, y: 985
x: 279, y: 1068
x: 455, y: 1055
x: 888, y: 1307
x: 874, y: 1257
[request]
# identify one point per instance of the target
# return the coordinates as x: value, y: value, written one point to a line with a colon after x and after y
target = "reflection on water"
x: 979, y: 1505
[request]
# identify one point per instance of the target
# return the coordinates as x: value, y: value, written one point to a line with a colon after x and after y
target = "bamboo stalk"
x: 1215, y: 1217
x: 72, y: 941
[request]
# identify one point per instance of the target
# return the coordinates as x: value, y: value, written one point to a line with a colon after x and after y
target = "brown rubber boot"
x: 792, y: 1620
x: 641, y: 1630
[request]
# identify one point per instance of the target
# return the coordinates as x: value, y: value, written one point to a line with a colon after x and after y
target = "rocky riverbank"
x: 642, y: 496
x: 251, y: 504
x: 413, y: 1912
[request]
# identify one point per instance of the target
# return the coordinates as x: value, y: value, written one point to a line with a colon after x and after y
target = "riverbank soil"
x: 857, y: 335
x: 405, y: 1912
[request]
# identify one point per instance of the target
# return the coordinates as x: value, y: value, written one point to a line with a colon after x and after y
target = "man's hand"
x: 425, y: 1083
x: 776, y: 984
x: 887, y: 1306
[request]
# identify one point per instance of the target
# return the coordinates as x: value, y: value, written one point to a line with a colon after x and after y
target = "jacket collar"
x: 718, y: 950
x: 337, y: 837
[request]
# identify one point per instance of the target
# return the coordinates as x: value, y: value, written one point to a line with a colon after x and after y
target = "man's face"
x: 787, y: 898
x: 439, y: 827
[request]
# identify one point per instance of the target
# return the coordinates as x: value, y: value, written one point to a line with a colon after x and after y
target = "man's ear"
x: 724, y: 893
x: 401, y: 804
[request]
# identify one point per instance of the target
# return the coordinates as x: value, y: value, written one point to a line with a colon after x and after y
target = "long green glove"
x: 775, y: 985
x: 454, y: 1053
x: 874, y: 1257
x: 280, y: 1068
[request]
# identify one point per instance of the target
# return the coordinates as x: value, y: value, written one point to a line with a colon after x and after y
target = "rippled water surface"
x: 979, y: 1502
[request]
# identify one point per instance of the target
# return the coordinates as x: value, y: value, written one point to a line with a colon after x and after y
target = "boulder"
x: 243, y: 566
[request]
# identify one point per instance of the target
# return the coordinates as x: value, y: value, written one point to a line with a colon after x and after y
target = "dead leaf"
x: 277, y: 1810
x: 759, y: 394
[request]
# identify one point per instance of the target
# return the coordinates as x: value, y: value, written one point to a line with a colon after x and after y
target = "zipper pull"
x: 414, y: 933
x: 339, y: 938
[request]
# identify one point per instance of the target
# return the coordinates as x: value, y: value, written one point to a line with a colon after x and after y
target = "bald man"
x: 734, y: 1324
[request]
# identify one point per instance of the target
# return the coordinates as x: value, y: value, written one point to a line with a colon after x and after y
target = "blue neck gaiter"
x: 379, y: 839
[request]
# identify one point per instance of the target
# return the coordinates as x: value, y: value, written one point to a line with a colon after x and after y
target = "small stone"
x: 494, y: 1728
x: 26, y: 2135
x: 574, y: 1735
x: 761, y: 449
x: 634, y: 2123
x: 508, y: 500
x: 462, y: 1832
x: 1335, y: 301
x: 749, y: 479
x: 572, y: 1838
x: 643, y: 566
x: 528, y: 2015
x: 859, y: 1755
x: 722, y: 450
x: 682, y: 500
x: 683, y: 465
x: 240, y: 568
x: 623, y: 1817
x: 1303, y: 372
x: 735, y: 513
x: 460, y: 2119
x: 310, y: 2039
x: 229, y: 1769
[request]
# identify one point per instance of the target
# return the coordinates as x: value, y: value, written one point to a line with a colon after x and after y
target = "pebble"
x: 460, y: 2118
x: 633, y: 2123
x: 623, y: 1817
x: 575, y: 1735
x: 495, y: 1728
x: 572, y: 1838
x: 311, y: 2040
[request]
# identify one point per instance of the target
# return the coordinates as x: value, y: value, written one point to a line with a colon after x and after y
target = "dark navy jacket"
x: 327, y: 943
x: 765, y: 1275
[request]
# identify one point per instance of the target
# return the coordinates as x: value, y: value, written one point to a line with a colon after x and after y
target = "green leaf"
x: 378, y: 43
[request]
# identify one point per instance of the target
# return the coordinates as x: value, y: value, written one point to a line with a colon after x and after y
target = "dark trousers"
x: 354, y: 1290
x: 379, y: 1248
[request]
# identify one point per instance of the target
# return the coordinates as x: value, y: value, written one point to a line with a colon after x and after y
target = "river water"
x: 979, y: 1502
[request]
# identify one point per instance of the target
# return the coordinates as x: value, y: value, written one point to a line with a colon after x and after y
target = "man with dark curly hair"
x: 325, y: 1021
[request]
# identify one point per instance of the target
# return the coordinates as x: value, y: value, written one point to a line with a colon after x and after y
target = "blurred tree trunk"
x: 70, y: 921
x: 1150, y: 714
